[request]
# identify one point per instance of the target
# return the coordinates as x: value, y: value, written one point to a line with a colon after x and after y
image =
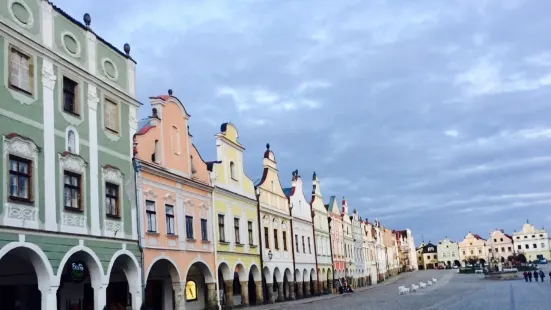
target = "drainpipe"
x: 212, y: 180
x: 260, y: 245
x: 315, y: 247
x: 137, y: 167
x: 331, y: 252
x: 293, y: 244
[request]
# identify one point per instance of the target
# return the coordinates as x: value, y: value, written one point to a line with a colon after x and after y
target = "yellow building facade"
x: 236, y: 224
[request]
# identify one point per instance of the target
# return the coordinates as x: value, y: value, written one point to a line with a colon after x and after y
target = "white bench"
x: 414, y: 288
x: 434, y: 280
x: 429, y: 283
x: 402, y: 290
x: 422, y: 285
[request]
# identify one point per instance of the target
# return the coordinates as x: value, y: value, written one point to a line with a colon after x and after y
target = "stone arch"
x: 97, y: 277
x: 305, y: 275
x: 298, y: 275
x: 257, y: 276
x: 203, y: 267
x: 39, y: 260
x: 243, y: 275
x: 267, y: 275
x: 225, y: 270
x: 173, y: 270
x: 313, y: 274
x: 132, y: 272
x: 277, y: 274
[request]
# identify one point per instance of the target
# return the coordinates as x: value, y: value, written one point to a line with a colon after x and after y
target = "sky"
x: 428, y: 115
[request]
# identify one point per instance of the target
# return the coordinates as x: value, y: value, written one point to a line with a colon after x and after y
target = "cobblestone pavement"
x: 452, y: 292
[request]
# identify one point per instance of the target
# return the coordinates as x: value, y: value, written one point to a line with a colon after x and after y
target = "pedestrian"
x: 525, y: 276
x: 549, y: 276
x: 536, y: 274
x: 530, y: 276
x: 542, y: 275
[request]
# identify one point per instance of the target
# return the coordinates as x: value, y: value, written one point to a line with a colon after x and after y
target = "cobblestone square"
x: 453, y: 291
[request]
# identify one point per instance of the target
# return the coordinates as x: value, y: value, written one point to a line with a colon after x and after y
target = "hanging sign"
x: 78, y: 271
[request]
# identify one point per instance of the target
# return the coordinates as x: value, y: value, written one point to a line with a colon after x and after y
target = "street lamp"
x: 270, y: 254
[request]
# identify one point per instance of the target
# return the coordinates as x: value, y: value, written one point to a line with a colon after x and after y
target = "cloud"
x: 431, y: 115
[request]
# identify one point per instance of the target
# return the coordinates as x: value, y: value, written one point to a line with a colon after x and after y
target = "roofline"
x: 76, y: 22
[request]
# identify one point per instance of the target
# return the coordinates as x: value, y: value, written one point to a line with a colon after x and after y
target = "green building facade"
x: 67, y: 116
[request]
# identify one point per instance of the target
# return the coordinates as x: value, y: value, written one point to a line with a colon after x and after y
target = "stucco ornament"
x: 73, y: 163
x: 112, y: 175
x: 114, y: 226
x: 20, y: 212
x: 20, y: 147
x: 92, y: 97
x: 170, y: 199
x: 73, y: 220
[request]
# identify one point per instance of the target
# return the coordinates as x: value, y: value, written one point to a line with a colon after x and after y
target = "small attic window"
x: 232, y: 171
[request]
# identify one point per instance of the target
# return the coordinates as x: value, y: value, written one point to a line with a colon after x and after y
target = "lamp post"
x: 261, y: 247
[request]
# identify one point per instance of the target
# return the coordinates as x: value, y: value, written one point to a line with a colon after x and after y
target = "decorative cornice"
x: 153, y: 169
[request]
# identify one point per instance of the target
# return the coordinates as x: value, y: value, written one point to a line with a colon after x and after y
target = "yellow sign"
x: 191, y: 290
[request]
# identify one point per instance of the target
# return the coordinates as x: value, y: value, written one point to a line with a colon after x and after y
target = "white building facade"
x: 359, y: 267
x: 305, y: 272
x: 532, y: 242
x: 448, y: 252
x: 322, y: 238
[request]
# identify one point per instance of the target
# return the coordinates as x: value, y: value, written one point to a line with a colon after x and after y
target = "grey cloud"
x: 397, y: 76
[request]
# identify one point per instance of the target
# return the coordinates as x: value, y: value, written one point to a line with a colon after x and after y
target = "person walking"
x: 530, y: 276
x: 525, y: 276
x: 536, y: 274
x: 549, y: 276
x: 542, y: 275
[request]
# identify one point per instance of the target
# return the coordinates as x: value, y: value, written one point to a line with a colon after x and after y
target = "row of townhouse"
x: 100, y: 209
x: 528, y: 244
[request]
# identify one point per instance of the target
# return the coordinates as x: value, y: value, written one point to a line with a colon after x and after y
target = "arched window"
x: 232, y: 170
x: 191, y: 291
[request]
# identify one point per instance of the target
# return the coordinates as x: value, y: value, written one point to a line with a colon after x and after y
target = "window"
x: 266, y: 238
x: 303, y: 247
x: 151, y: 215
x: 175, y: 140
x: 497, y: 250
x: 296, y: 243
x: 169, y: 213
x: 21, y: 71
x: 204, y: 235
x: 543, y: 245
x: 490, y: 250
x: 503, y: 249
x: 509, y: 249
x: 284, y: 241
x: 71, y: 142
x: 236, y: 230
x: 189, y: 227
x: 535, y: 246
x: 276, y: 244
x: 527, y: 246
x: 232, y: 170
x: 501, y: 239
x: 495, y: 240
x: 221, y: 234
x: 71, y: 190
x: 70, y: 101
x: 309, y: 248
x: 191, y: 291
x: 479, y: 251
x: 472, y: 252
x: 519, y: 247
x: 463, y: 252
x: 20, y: 178
x: 112, y: 199
x: 111, y: 115
x: 435, y: 256
x: 250, y: 229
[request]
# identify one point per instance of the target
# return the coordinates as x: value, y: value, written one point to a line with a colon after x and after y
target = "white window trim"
x: 73, y: 222
x: 110, y: 134
x: 28, y: 25
x: 72, y: 119
x: 171, y: 200
x: 17, y: 95
x: 15, y: 214
x: 112, y: 78
x: 113, y: 228
x: 72, y: 36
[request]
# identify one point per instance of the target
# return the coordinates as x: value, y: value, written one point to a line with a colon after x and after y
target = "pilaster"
x: 99, y: 297
x: 244, y: 293
x: 48, y: 82
x: 270, y: 293
x: 229, y: 293
x: 93, y: 100
x: 299, y: 290
x: 49, y: 297
x: 259, y: 295
x: 212, y: 296
x: 292, y: 290
x: 280, y: 296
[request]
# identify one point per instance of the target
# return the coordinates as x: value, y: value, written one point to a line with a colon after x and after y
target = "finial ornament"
x: 170, y: 92
x: 127, y: 49
x: 268, y: 146
x: 314, y: 176
x: 87, y: 19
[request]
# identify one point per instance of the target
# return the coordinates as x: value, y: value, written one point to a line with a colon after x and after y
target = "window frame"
x: 30, y: 71
x: 266, y: 237
x: 236, y: 230
x: 75, y: 93
x: 151, y: 214
x: 170, y: 221
x: 189, y: 227
x: 276, y: 241
x: 106, y: 101
x: 284, y: 240
x: 233, y: 171
x: 221, y: 228
x: 250, y: 232
x: 116, y: 197
x: 204, y: 230
x: 71, y: 187
x: 296, y: 243
x: 28, y: 176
